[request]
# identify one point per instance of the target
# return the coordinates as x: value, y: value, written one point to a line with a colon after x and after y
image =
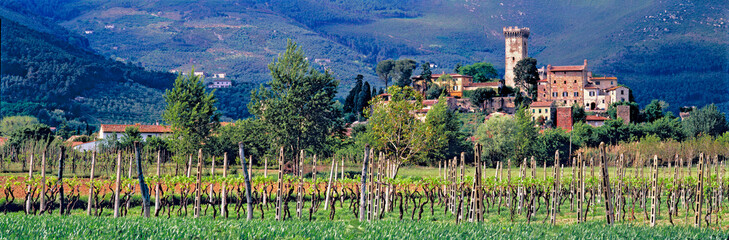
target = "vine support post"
x: 223, y: 188
x: 362, y: 192
x: 60, y: 178
x: 249, y: 204
x: 117, y: 185
x: 607, y: 192
x: 91, y: 184
x: 158, y: 186
x: 28, y: 198
x: 43, y: 184
x: 699, y: 190
x: 198, y: 183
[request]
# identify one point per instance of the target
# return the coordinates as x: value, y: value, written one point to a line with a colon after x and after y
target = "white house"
x: 146, y: 131
x: 619, y: 94
x: 220, y: 83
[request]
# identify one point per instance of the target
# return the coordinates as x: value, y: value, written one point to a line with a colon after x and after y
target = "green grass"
x: 81, y: 227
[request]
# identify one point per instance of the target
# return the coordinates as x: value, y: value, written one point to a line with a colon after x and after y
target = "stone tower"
x: 516, y: 49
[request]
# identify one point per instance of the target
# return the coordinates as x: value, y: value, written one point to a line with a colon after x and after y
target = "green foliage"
x: 33, y: 133
x: 707, y: 120
x: 435, y: 91
x: 496, y: 137
x: 11, y: 124
x: 399, y: 71
x: 526, y: 76
x: 634, y: 110
x: 357, y: 99
x: 425, y: 73
x: 191, y: 113
x: 552, y: 140
x: 525, y: 134
x: 131, y: 135
x: 480, y: 71
x: 447, y: 140
x: 248, y: 131
x: 297, y: 105
x: 654, y: 110
x: 578, y: 113
x: 480, y: 95
x: 393, y: 128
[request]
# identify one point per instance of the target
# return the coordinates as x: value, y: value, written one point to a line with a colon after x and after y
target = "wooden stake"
x: 118, y: 184
x: 91, y: 185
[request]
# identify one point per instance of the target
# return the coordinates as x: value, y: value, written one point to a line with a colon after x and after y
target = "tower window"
x: 575, y: 81
x: 565, y: 94
x: 577, y: 94
x: 622, y: 91
x: 565, y: 82
x: 554, y: 94
x: 597, y: 82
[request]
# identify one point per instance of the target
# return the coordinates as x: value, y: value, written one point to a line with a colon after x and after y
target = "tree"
x: 665, y: 128
x: 435, y: 91
x: 426, y: 74
x: 525, y: 135
x: 553, y: 139
x: 402, y: 71
x: 33, y: 133
x: 457, y: 68
x: 250, y: 131
x: 526, y: 76
x: 654, y: 110
x: 297, y: 106
x: 634, y: 110
x: 384, y: 70
x: 349, y: 101
x: 363, y: 99
x: 578, y: 113
x: 480, y: 71
x: 394, y: 130
x: 496, y: 136
x: 131, y: 135
x: 191, y: 112
x: 14, y: 123
x: 446, y: 140
x: 480, y: 95
x: 707, y: 120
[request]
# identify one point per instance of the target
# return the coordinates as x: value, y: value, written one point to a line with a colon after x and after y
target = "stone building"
x: 542, y: 111
x: 516, y: 40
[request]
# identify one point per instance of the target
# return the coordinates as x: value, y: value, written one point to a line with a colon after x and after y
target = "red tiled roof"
x: 142, y: 128
x: 3, y: 140
x: 541, y: 104
x: 566, y: 68
x: 595, y: 118
x: 613, y: 88
x: 73, y: 144
x: 452, y: 75
x: 483, y: 84
x: 422, y: 110
x: 430, y: 102
x: 603, y: 78
x: 590, y: 86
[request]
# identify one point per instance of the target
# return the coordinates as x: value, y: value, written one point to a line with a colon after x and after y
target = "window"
x: 577, y: 94
x: 532, y: 110
x: 554, y: 94
x: 592, y: 94
x: 622, y: 99
x: 611, y: 82
x: 540, y: 110
x: 622, y: 91
x: 555, y: 81
x: 565, y: 82
x: 565, y: 94
x: 597, y: 82
x: 575, y: 81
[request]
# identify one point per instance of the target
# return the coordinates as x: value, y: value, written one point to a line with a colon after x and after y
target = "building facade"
x: 117, y: 130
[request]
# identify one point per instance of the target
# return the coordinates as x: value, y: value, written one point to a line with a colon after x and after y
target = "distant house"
x: 107, y: 130
x: 87, y: 146
x: 595, y: 121
x: 219, y: 75
x: 88, y: 31
x: 220, y: 83
x: 457, y: 86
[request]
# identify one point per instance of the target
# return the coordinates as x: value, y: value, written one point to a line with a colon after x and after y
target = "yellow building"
x: 456, y: 84
x: 543, y: 110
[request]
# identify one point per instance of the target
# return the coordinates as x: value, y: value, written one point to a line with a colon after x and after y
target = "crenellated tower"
x: 516, y: 50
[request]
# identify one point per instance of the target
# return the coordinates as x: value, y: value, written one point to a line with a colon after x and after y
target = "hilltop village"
x: 559, y: 88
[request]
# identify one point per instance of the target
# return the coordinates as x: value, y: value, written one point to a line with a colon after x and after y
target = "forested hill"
x: 66, y: 85
x: 672, y: 50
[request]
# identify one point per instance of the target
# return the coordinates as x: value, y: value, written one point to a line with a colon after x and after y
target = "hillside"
x: 66, y: 85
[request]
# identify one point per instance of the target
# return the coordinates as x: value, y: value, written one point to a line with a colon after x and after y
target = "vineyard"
x: 594, y: 188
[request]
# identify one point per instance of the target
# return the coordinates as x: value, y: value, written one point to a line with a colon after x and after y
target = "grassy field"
x: 81, y: 227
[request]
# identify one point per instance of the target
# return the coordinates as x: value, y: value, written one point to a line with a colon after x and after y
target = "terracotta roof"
x: 541, y: 104
x: 603, y: 78
x: 566, y: 68
x: 430, y: 102
x: 613, y: 88
x: 595, y: 118
x: 73, y: 144
x: 483, y: 84
x: 3, y: 140
x: 422, y: 110
x: 142, y: 128
x: 452, y: 75
x: 590, y: 86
